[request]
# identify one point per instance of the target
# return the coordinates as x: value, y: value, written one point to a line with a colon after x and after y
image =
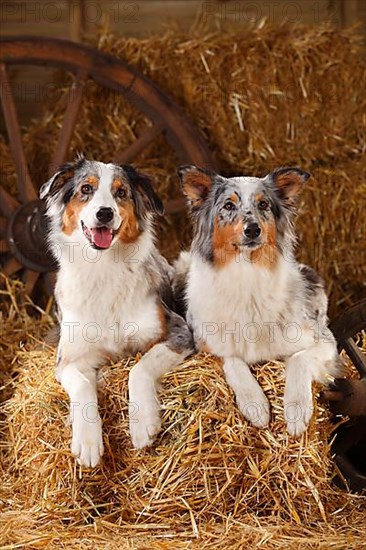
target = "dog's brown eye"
x: 263, y: 205
x: 229, y: 206
x: 120, y: 193
x: 87, y: 189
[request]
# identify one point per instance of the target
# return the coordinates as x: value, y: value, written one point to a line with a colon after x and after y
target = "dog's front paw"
x: 145, y: 424
x: 87, y: 442
x: 298, y: 410
x: 254, y: 406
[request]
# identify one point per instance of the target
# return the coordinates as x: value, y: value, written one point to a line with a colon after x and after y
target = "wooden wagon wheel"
x: 22, y: 225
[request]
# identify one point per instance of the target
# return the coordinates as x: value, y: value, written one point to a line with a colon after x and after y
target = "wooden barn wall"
x: 66, y: 18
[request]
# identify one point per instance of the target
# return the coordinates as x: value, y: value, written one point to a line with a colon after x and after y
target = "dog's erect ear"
x: 196, y: 183
x: 143, y: 184
x: 289, y: 181
x: 58, y: 181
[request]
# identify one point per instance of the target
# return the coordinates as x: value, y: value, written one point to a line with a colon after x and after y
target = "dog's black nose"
x: 252, y: 231
x: 105, y: 214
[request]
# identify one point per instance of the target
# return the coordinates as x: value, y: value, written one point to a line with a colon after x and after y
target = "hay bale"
x: 332, y: 230
x: 21, y: 322
x: 262, y: 96
x: 207, y: 459
x: 209, y: 477
x: 206, y: 466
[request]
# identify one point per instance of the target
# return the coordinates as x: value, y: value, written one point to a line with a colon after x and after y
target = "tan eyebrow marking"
x: 92, y: 180
x: 117, y: 183
x: 234, y: 198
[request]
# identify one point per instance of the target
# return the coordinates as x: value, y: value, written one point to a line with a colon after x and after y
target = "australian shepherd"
x: 113, y: 293
x: 247, y: 298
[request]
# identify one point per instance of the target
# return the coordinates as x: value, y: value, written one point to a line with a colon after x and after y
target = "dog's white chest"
x: 242, y: 311
x: 107, y: 308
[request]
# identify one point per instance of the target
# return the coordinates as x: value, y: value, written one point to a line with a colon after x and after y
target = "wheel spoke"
x: 25, y: 185
x: 140, y: 144
x: 31, y: 277
x: 8, y: 204
x: 70, y: 117
x: 3, y: 227
x: 356, y: 355
x: 11, y: 267
x: 4, y: 247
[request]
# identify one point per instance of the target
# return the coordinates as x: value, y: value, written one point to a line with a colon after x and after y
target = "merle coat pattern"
x: 246, y: 297
x: 114, y: 295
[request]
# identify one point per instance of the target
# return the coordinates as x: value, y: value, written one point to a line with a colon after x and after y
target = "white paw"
x: 145, y: 424
x: 87, y: 442
x: 254, y: 406
x: 298, y: 410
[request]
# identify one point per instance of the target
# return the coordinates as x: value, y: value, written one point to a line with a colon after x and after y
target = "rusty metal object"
x: 22, y: 225
x: 349, y: 449
x: 26, y: 230
x: 347, y: 397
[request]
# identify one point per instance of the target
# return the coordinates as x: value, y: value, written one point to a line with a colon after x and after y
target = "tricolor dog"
x: 113, y: 292
x: 248, y: 300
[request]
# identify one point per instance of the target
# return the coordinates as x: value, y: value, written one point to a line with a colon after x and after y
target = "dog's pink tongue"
x: 102, y: 237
